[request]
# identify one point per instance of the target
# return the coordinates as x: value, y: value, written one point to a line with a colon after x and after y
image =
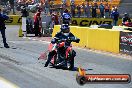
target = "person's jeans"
x: 94, y: 15
x: 115, y: 22
x: 47, y: 10
x: 107, y: 15
x: 3, y: 36
x: 79, y: 14
x: 102, y: 14
x: 87, y: 14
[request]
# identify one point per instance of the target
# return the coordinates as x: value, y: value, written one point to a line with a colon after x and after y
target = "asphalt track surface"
x: 19, y: 65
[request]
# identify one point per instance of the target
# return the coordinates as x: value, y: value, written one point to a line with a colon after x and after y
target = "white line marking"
x: 6, y: 84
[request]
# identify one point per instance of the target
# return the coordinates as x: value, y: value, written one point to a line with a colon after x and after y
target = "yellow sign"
x: 14, y: 20
x: 17, y: 20
x: 92, y: 21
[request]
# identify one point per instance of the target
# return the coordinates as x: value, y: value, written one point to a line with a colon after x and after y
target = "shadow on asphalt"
x: 1, y: 47
x: 75, y: 68
x: 13, y: 47
x: 10, y: 47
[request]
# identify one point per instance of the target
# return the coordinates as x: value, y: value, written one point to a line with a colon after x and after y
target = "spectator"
x: 64, y: 5
x: 64, y: 1
x: 73, y: 7
x: 44, y: 8
x: 2, y: 28
x: 51, y: 7
x: 52, y: 23
x: 40, y: 7
x: 29, y: 25
x: 94, y: 10
x: 37, y: 23
x: 87, y: 9
x: 72, y: 1
x: 125, y: 19
x: 4, y: 10
x: 24, y: 11
x: 78, y: 11
x: 107, y: 10
x: 55, y: 18
x: 101, y: 8
x: 61, y: 9
x: 47, y: 6
x: 115, y: 16
x: 12, y: 5
x: 113, y: 8
x: 83, y: 9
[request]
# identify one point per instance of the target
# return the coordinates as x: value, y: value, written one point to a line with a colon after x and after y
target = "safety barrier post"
x: 20, y: 31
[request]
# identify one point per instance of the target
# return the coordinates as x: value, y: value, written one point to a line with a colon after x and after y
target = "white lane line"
x: 6, y: 84
x: 46, y: 42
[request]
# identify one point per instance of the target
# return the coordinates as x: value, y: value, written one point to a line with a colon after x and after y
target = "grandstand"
x: 58, y: 3
x: 79, y: 2
x: 125, y: 6
x: 91, y: 2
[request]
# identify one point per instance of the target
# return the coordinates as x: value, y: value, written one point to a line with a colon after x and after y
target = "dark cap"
x: 66, y: 11
x: 39, y: 10
x: 38, y: 14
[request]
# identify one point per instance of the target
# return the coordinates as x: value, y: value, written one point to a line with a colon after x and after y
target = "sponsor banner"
x: 14, y: 20
x: 126, y: 42
x: 92, y: 21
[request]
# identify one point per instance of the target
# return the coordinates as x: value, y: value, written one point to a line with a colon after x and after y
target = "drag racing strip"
x: 19, y: 64
x: 6, y: 84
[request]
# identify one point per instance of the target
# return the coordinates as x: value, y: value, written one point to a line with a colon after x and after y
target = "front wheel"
x: 70, y: 59
x: 70, y: 64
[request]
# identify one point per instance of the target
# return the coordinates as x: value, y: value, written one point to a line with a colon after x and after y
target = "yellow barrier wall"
x: 75, y: 32
x: 100, y: 39
x: 55, y: 30
x: 14, y: 20
x: 103, y: 39
x: 82, y: 34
